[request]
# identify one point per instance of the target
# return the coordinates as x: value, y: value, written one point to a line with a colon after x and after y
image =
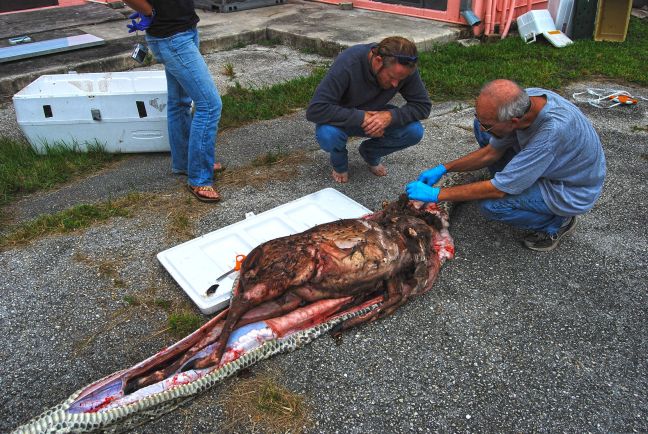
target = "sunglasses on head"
x: 401, y: 58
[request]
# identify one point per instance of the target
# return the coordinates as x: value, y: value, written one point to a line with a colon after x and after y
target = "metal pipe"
x: 468, y: 14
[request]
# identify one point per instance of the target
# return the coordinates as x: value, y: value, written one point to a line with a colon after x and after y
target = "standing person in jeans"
x: 546, y: 158
x: 353, y: 100
x: 172, y: 37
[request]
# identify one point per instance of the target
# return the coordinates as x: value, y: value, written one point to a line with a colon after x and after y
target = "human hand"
x: 375, y: 123
x: 432, y: 176
x: 144, y: 22
x: 416, y: 190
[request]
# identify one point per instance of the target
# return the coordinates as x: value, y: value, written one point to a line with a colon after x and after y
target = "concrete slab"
x: 44, y: 20
x: 257, y: 66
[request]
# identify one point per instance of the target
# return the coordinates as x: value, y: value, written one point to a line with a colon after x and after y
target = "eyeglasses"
x: 402, y: 58
x: 485, y: 127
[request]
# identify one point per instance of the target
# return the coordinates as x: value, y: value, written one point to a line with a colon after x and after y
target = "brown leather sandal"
x: 196, y: 191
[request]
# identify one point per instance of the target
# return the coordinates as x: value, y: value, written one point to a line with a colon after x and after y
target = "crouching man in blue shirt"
x: 546, y: 159
x: 353, y: 100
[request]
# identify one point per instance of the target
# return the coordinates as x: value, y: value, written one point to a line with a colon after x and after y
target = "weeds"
x: 183, y: 323
x: 132, y: 300
x: 242, y: 106
x: 162, y: 304
x: 24, y: 171
x: 179, y: 224
x: 272, y: 42
x: 268, y: 159
x: 263, y: 404
x: 308, y: 50
x: 228, y: 71
x: 77, y: 217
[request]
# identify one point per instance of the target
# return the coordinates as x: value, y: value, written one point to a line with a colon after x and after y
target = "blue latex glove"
x: 143, y: 23
x: 416, y: 190
x: 432, y: 176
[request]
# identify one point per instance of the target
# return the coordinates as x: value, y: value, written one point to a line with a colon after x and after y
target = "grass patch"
x: 183, y: 323
x: 308, y: 50
x: 132, y: 300
x: 272, y: 42
x: 452, y: 71
x: 24, y: 171
x: 262, y: 404
x: 162, y: 304
x: 78, y: 217
x: 268, y: 159
x: 180, y: 224
x: 242, y: 106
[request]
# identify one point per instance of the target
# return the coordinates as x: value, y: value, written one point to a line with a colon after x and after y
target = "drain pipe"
x: 468, y: 14
x: 487, y: 16
x: 478, y: 9
x: 511, y: 12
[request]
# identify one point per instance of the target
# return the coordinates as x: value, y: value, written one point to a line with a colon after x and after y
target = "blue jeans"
x: 192, y: 140
x: 334, y: 139
x: 483, y: 138
x: 526, y: 210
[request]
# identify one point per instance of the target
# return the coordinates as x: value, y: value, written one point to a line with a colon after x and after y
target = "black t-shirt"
x: 171, y: 17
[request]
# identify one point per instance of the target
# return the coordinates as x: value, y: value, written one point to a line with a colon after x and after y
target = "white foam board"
x: 196, y: 264
x: 41, y: 48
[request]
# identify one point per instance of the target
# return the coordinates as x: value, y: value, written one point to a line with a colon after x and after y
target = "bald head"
x: 503, y: 99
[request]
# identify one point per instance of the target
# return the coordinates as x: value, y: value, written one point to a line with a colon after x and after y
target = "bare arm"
x: 475, y: 160
x: 422, y: 190
x: 141, y: 6
x: 475, y: 190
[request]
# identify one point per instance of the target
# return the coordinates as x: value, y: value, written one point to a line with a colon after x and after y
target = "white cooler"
x: 539, y: 22
x: 122, y: 111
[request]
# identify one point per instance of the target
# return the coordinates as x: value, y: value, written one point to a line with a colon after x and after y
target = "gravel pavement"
x: 508, y: 340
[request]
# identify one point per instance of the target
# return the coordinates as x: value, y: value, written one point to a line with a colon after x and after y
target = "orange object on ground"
x: 623, y: 99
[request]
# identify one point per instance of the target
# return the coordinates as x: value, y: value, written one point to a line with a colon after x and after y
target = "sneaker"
x: 543, y: 242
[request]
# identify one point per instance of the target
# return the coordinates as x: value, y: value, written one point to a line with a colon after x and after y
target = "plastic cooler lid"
x: 196, y: 264
x: 94, y: 84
